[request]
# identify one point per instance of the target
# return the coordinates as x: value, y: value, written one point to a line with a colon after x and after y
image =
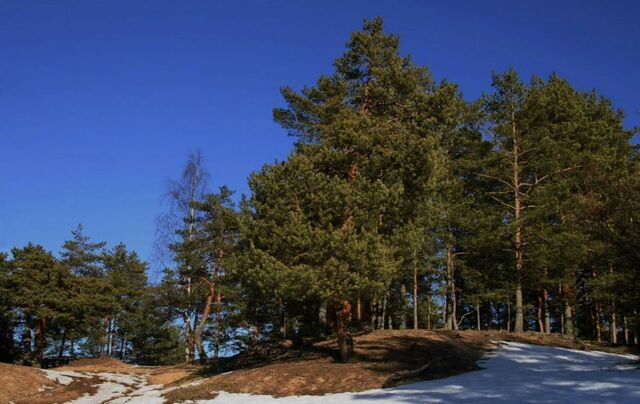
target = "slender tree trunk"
x: 508, y: 316
x: 477, y: 313
x: 625, y: 325
x: 40, y: 339
x: 322, y: 315
x: 490, y: 315
x: 636, y: 340
x: 359, y: 308
x: 403, y: 316
x: 255, y: 335
x: 547, y: 315
x: 598, y: 321
x: 451, y: 304
x: 427, y: 299
x: 103, y: 336
x: 374, y: 313
x: 63, y: 342
x: 203, y: 321
x: 445, y: 308
x: 188, y: 351
x: 218, y: 324
x: 539, y: 311
x: 568, y: 312
x: 560, y: 292
x: 26, y: 344
x: 190, y: 321
x: 123, y: 343
x: 113, y: 337
x: 415, y: 290
x: 517, y: 218
x: 614, y: 323
x: 384, y: 312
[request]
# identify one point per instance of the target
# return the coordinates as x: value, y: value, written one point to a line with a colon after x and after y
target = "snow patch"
x: 106, y: 391
x: 515, y: 372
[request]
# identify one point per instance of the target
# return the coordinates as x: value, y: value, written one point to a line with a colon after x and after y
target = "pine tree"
x: 83, y: 259
x: 42, y: 289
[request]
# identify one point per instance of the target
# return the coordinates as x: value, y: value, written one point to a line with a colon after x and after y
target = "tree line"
x: 401, y: 205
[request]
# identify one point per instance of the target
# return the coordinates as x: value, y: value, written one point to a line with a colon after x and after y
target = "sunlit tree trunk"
x: 415, y: 291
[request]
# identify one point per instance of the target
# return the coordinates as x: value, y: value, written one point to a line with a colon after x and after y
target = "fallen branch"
x: 400, y: 376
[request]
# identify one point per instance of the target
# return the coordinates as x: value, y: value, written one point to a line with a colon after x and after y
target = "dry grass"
x: 378, y: 356
x: 104, y: 365
x: 28, y: 385
x: 281, y: 371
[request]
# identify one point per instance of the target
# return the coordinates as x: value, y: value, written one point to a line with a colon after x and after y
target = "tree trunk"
x: 625, y: 326
x: 359, y: 308
x: 384, y: 312
x: 560, y: 293
x: 40, y: 340
x: 539, y: 310
x: 569, y: 328
x: 415, y: 291
x: 614, y: 323
x: 598, y: 322
x: 345, y: 342
x: 113, y: 337
x: 508, y: 316
x: 451, y: 303
x: 427, y: 300
x: 188, y: 352
x: 322, y: 315
x: 374, y: 313
x: 477, y: 313
x: 547, y: 315
x: 519, y: 323
x: 403, y: 316
x: 202, y: 354
x: 517, y: 217
x: 636, y: 340
x: 123, y: 343
x: 217, y: 325
x: 63, y: 342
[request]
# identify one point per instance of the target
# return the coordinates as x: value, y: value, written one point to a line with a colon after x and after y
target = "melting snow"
x: 62, y: 377
x: 513, y: 373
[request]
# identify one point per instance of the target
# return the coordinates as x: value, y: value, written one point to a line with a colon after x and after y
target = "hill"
x: 383, y: 359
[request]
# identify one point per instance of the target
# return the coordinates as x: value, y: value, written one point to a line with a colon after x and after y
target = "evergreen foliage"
x: 401, y: 205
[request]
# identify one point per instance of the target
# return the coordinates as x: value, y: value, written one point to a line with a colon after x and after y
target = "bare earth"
x: 382, y: 359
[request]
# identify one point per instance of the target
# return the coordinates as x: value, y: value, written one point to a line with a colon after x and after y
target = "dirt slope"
x: 380, y: 357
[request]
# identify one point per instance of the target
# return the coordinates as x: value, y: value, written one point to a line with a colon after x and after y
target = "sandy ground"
x: 513, y: 373
x: 294, y: 375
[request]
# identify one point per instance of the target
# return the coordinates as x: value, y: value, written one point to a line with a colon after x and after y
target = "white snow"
x: 106, y: 391
x: 116, y: 388
x: 62, y: 377
x: 515, y: 372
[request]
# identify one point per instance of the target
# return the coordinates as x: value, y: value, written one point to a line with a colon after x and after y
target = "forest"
x: 401, y: 205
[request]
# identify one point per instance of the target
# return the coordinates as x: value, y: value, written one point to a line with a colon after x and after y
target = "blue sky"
x: 101, y: 101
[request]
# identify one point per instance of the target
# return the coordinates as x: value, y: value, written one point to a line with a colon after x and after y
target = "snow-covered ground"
x: 514, y: 372
x: 518, y: 373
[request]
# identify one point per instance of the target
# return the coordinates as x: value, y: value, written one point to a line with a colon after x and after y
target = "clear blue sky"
x: 101, y: 101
